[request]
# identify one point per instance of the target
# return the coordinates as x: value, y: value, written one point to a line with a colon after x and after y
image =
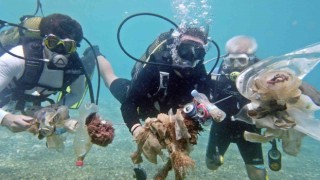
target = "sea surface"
x: 278, y: 26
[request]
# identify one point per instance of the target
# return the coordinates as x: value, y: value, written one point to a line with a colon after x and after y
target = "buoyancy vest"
x: 34, y: 68
x: 158, y: 46
x: 157, y: 52
x: 160, y: 52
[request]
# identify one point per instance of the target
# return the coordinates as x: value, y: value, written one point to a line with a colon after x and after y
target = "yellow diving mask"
x: 62, y: 46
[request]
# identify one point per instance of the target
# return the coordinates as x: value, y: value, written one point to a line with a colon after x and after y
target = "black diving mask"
x: 189, y: 53
x: 191, y: 50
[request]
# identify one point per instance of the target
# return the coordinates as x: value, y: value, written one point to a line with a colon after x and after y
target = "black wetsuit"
x: 140, y: 96
x: 227, y: 131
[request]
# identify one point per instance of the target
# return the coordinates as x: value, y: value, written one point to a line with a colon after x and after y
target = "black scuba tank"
x: 158, y: 45
x: 12, y: 37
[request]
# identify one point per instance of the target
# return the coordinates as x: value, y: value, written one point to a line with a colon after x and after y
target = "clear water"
x: 278, y: 26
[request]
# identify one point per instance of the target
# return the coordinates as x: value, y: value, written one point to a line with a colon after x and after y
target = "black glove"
x: 89, y: 51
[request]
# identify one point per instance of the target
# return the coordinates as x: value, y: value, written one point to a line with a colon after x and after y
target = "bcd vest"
x: 34, y: 68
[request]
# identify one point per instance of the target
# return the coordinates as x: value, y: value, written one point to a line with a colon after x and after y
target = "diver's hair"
x: 61, y: 25
x: 241, y: 44
x: 196, y: 32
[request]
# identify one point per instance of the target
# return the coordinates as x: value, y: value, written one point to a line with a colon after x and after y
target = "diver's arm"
x: 10, y: 68
x: 129, y: 108
x: 77, y: 90
x: 138, y: 92
x: 310, y: 91
x: 130, y: 114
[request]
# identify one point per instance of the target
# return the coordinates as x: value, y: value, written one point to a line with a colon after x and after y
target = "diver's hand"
x: 94, y: 49
x: 17, y: 123
x: 135, y: 130
x: 136, y: 156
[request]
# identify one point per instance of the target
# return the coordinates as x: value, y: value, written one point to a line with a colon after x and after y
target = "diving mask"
x: 237, y: 60
x: 189, y: 54
x: 191, y: 50
x: 61, y: 46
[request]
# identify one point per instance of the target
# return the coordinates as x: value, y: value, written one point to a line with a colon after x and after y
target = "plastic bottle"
x: 55, y: 142
x: 213, y: 110
x: 243, y: 116
x: 82, y: 141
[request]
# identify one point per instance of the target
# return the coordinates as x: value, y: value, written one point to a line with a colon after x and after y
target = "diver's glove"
x: 147, y: 143
x: 89, y: 51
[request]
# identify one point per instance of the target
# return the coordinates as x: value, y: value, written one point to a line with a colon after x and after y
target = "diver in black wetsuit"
x: 241, y: 54
x: 155, y: 89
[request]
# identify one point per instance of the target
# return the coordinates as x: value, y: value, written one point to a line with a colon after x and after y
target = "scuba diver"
x: 43, y: 63
x: 157, y: 88
x: 163, y: 78
x: 240, y: 54
x: 154, y: 88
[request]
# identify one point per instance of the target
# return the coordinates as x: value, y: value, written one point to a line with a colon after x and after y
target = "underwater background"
x: 278, y: 26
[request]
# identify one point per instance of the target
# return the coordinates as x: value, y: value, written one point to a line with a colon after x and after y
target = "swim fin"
x: 139, y: 173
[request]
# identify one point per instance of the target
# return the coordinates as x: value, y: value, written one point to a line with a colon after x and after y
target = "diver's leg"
x: 253, y: 157
x: 217, y: 146
x: 106, y: 71
x: 256, y: 172
x: 119, y: 88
